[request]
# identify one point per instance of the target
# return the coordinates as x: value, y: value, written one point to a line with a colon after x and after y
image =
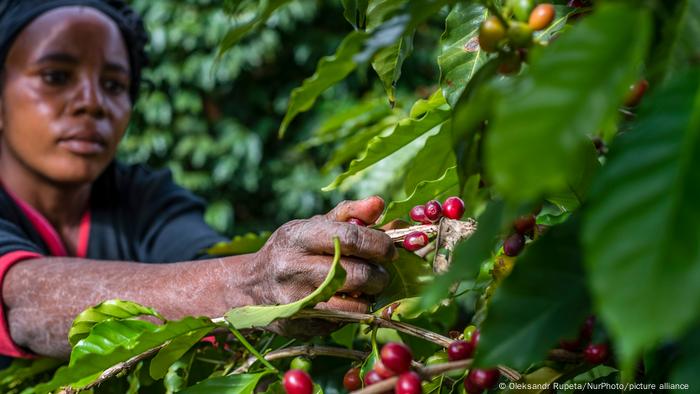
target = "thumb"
x: 367, y: 210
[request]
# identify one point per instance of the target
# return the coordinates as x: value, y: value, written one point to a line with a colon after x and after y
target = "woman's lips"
x: 84, y: 142
x: 82, y: 146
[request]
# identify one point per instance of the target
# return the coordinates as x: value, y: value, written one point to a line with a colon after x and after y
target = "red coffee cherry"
x: 433, y: 210
x: 296, y: 381
x: 351, y: 380
x: 382, y: 370
x: 636, y: 92
x: 396, y: 356
x: 372, y: 377
x: 513, y: 245
x: 483, y: 378
x: 524, y: 224
x: 541, y: 16
x: 415, y: 240
x: 453, y: 208
x: 408, y: 383
x: 474, y: 340
x: 460, y: 350
x: 417, y: 214
x: 357, y: 221
x: 596, y: 353
x: 472, y: 388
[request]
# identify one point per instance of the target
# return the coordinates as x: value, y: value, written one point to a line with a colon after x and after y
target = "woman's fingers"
x: 347, y: 304
x: 361, y: 277
x: 316, y: 236
x: 367, y: 210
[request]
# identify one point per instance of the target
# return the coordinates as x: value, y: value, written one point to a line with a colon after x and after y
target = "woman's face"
x: 65, y: 96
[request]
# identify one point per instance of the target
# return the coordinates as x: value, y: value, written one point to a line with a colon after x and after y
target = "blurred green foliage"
x: 213, y: 120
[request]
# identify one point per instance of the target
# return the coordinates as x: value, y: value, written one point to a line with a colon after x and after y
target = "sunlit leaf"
x: 404, y: 133
x: 111, y: 309
x: 113, y: 341
x: 461, y: 54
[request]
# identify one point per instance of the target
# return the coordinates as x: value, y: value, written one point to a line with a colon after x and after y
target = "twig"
x: 564, y: 356
x: 117, y: 368
x: 376, y: 321
x: 306, y: 350
x: 399, y: 234
x: 425, y: 374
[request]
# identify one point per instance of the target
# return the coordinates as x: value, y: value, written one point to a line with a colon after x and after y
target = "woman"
x: 77, y: 228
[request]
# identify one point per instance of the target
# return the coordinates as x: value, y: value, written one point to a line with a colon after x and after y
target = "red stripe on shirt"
x: 7, y: 346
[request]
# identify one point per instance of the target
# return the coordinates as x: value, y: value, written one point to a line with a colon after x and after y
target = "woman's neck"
x: 62, y: 205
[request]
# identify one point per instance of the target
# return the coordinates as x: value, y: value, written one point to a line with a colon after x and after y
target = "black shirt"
x: 136, y: 214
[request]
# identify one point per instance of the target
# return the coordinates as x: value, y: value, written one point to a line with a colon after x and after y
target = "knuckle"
x: 351, y: 236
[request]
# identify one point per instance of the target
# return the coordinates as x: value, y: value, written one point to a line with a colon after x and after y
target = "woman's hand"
x: 297, y: 257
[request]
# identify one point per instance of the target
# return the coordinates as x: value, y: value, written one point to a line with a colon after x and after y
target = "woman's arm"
x: 42, y: 296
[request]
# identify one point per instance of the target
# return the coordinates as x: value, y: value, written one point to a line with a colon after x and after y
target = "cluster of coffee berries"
x: 593, y: 353
x: 431, y: 212
x: 394, y: 360
x: 511, y: 37
x: 478, y: 380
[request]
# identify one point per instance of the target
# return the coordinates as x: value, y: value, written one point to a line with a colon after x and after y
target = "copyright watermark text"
x: 593, y: 386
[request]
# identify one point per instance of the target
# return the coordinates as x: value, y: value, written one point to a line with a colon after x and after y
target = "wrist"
x: 238, y: 280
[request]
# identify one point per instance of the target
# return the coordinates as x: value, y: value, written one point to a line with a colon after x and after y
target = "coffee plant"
x: 551, y: 178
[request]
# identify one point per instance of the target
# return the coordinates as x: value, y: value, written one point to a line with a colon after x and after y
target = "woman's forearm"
x: 43, y: 296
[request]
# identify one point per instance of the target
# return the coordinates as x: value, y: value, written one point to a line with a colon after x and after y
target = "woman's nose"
x: 89, y: 99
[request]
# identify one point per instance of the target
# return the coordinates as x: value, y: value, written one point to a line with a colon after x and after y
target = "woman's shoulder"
x: 137, y: 184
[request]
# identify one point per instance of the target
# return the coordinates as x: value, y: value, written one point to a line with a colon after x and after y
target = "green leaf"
x: 544, y: 299
x: 678, y: 49
x: 345, y: 336
x: 265, y: 9
x: 685, y: 369
x: 22, y: 372
x: 433, y: 160
x: 355, y: 12
x: 111, y: 309
x: 176, y: 375
x: 231, y: 384
x: 173, y: 351
x: 446, y: 185
x: 379, y: 11
x: 461, y: 54
x: 404, y: 133
x: 468, y: 255
x: 262, y: 315
x: 358, y: 142
x: 240, y: 244
x: 388, y: 62
x: 571, y: 88
x: 113, y: 341
x: 641, y: 226
x: 409, y: 274
x: 329, y: 71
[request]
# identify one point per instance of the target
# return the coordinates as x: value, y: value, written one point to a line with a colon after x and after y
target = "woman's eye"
x: 55, y: 77
x: 115, y: 87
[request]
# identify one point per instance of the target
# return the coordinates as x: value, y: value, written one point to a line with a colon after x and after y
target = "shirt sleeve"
x: 171, y: 224
x: 7, y: 346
